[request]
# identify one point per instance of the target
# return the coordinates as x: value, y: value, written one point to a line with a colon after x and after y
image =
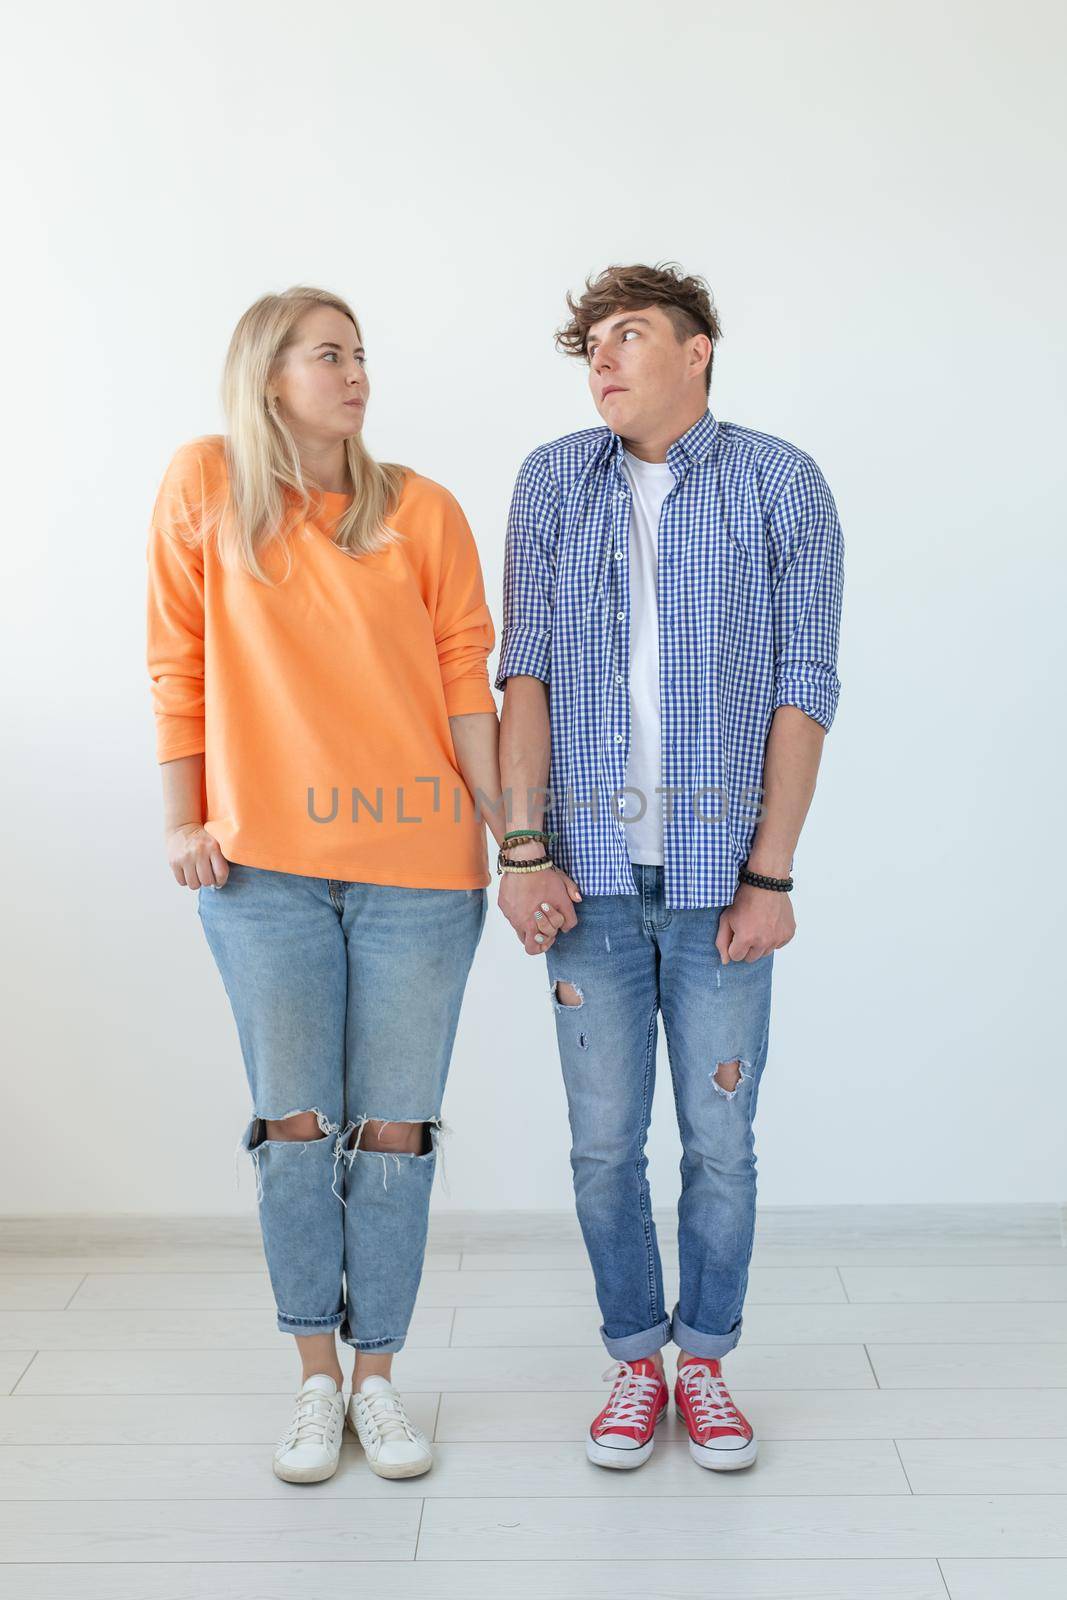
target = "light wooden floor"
x: 905, y: 1367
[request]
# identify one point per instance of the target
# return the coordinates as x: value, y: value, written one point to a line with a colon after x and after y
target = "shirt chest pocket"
x: 583, y: 564
x: 719, y: 569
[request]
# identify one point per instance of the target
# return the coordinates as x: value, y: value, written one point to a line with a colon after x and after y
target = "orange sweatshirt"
x: 322, y: 704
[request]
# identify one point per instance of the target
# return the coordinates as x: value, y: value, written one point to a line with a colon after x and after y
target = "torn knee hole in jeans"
x: 254, y: 1140
x: 567, y: 996
x: 729, y: 1075
x: 432, y: 1130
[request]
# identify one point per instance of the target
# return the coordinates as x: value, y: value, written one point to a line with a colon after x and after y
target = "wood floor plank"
x: 973, y: 1365
x: 993, y: 1580
x: 522, y: 1258
x: 13, y: 1364
x: 475, y: 1289
x: 982, y: 1284
x: 550, y: 1368
x: 191, y: 1258
x: 308, y: 1528
x: 782, y: 1285
x: 797, y: 1528
x: 986, y: 1466
x: 498, y: 1580
x: 844, y: 1226
x: 28, y: 1291
x: 165, y: 1419
x: 237, y: 1291
x: 175, y: 1329
x: 469, y: 1471
x: 178, y: 1372
x: 835, y: 1227
x: 796, y: 1324
x: 900, y: 1414
x: 174, y: 1291
x: 932, y: 1322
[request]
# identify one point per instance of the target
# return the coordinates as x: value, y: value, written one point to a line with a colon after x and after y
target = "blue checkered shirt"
x: 749, y: 594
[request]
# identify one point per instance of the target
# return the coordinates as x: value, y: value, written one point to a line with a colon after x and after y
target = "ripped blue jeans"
x: 628, y: 959
x: 346, y: 998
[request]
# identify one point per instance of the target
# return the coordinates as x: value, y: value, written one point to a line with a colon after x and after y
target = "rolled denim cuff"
x: 711, y: 1345
x: 637, y: 1345
x: 304, y: 1326
x: 374, y: 1347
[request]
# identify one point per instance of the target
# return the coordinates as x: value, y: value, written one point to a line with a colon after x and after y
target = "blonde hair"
x: 262, y: 459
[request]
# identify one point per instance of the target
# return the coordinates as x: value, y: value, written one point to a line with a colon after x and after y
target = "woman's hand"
x: 195, y: 857
x: 523, y: 897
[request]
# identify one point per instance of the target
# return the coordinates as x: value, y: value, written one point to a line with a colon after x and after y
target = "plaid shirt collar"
x: 691, y: 448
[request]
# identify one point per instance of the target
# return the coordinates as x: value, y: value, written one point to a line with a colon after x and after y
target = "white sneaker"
x: 310, y: 1450
x: 395, y: 1448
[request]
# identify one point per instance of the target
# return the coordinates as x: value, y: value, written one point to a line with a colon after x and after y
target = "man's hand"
x: 522, y: 898
x: 757, y: 922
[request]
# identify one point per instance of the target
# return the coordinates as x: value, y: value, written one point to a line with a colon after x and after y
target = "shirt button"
x: 618, y: 738
x: 619, y: 678
x: 618, y: 555
x: 620, y: 616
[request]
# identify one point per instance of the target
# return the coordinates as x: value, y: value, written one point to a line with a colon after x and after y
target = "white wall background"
x: 875, y: 196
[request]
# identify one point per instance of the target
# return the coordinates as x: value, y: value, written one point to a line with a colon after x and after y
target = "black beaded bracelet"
x: 759, y: 880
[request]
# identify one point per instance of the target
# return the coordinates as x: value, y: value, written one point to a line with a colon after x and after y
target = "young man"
x: 672, y: 597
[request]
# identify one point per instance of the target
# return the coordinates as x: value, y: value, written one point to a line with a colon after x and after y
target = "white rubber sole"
x: 387, y: 1469
x: 721, y: 1460
x: 621, y: 1459
x: 306, y: 1474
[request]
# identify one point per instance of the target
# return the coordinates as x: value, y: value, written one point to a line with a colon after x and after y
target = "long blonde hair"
x: 261, y: 455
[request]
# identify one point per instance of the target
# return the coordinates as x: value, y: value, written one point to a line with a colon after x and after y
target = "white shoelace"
x: 631, y: 1398
x: 710, y: 1399
x: 386, y: 1419
x: 314, y: 1418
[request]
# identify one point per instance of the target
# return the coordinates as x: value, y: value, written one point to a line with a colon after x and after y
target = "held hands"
x: 195, y: 858
x: 522, y: 897
x: 755, y: 923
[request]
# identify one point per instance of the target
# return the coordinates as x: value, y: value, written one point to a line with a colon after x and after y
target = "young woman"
x: 317, y: 644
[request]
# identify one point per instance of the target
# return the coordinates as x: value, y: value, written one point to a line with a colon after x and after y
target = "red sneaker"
x: 624, y: 1432
x: 719, y: 1436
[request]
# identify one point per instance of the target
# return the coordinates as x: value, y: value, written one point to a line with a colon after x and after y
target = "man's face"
x: 640, y: 373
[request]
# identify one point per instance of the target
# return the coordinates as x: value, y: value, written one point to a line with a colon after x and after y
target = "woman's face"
x: 322, y: 387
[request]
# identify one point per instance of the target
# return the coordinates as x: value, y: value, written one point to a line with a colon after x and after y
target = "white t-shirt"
x: 651, y: 482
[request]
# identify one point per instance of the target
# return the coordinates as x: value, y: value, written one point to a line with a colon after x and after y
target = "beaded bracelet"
x: 759, y: 880
x: 518, y: 836
x: 503, y: 865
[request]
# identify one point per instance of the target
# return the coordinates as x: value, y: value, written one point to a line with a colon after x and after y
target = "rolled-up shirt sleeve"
x: 175, y: 611
x: 462, y: 624
x: 807, y: 574
x: 529, y: 575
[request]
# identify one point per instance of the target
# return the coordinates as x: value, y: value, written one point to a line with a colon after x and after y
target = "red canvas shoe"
x: 624, y: 1432
x: 719, y: 1436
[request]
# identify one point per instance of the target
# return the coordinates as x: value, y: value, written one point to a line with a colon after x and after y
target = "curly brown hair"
x: 685, y: 298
